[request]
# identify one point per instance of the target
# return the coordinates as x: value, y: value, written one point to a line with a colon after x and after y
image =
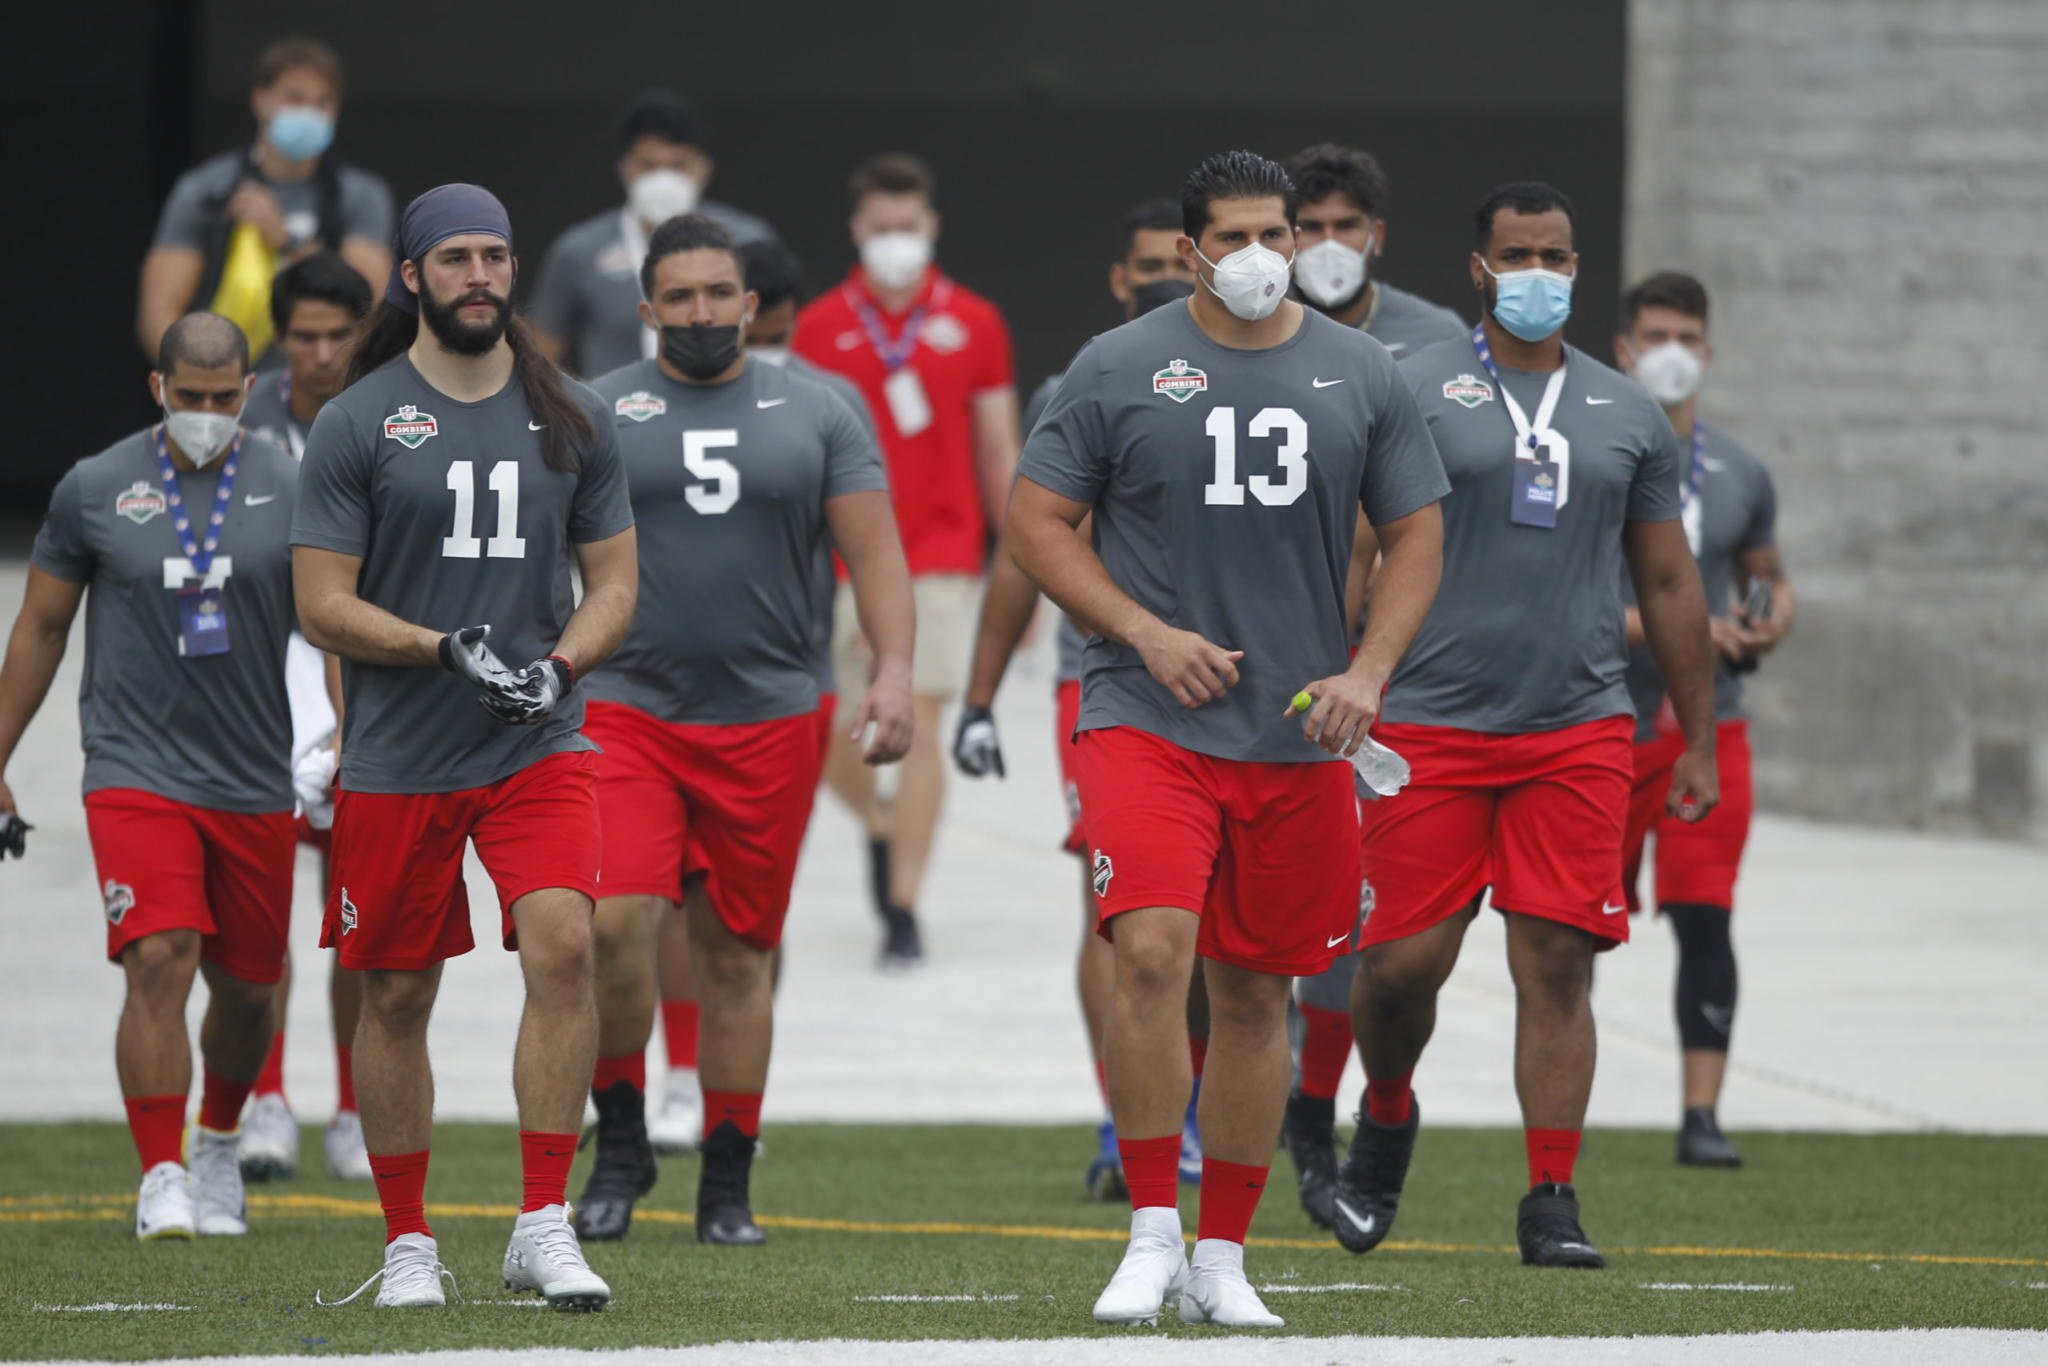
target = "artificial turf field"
x: 930, y: 1231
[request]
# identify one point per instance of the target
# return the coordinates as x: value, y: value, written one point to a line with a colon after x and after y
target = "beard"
x: 464, y: 338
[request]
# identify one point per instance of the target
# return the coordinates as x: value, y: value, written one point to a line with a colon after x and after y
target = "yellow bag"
x: 243, y: 296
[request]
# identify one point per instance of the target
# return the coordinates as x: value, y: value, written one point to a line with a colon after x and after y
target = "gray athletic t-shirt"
x: 1526, y: 633
x: 729, y: 484
x: 1406, y: 323
x: 458, y: 523
x: 191, y: 213
x: 1737, y: 511
x: 1072, y: 640
x: 268, y: 412
x: 210, y: 730
x: 827, y: 590
x: 1226, y: 486
x: 588, y: 292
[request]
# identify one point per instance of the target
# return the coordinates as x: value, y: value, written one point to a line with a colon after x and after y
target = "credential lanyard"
x: 1690, y: 515
x: 1525, y: 430
x: 291, y: 428
x: 894, y: 355
x: 198, y: 553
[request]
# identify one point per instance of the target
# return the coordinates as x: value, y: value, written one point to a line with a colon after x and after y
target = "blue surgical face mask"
x: 300, y: 132
x: 1531, y: 304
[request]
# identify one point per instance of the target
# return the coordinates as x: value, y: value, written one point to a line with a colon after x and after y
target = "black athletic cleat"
x: 1369, y: 1183
x: 724, y: 1214
x: 1311, y: 1132
x: 1548, y: 1230
x: 902, y: 946
x: 625, y: 1168
x: 1701, y: 1142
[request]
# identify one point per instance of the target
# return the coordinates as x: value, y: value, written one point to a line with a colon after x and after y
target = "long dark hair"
x: 567, y: 430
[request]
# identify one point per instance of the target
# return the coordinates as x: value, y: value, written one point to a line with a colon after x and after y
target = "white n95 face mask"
x: 1330, y: 273
x: 201, y: 436
x: 661, y: 195
x: 894, y: 260
x: 1671, y: 372
x: 1251, y: 281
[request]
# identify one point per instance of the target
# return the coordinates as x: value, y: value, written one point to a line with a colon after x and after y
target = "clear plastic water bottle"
x: 1379, y: 768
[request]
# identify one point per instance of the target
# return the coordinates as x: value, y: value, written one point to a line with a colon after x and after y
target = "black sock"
x: 728, y: 1158
x: 1706, y: 976
x: 878, y: 875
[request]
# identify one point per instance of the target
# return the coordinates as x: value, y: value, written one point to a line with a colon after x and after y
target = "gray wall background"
x: 1863, y: 186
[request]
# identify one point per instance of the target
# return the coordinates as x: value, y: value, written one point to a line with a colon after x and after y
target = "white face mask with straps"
x: 201, y: 436
x: 1332, y: 273
x: 1250, y: 281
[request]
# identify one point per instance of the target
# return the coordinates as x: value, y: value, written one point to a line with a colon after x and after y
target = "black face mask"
x: 1157, y: 294
x: 701, y: 352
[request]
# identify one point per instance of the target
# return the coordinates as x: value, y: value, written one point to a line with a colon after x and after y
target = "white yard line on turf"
x: 1284, y: 1289
x: 1681, y: 1285
x: 933, y: 1299
x: 110, y: 1307
x: 1209, y: 1347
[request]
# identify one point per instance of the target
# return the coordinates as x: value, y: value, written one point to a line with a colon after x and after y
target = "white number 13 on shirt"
x: 1225, y: 489
x: 506, y: 543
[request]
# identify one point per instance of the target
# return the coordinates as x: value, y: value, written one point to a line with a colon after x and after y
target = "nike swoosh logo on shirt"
x: 1614, y: 910
x: 1323, y: 383
x: 769, y: 402
x: 251, y: 500
x: 1396, y: 346
x: 1338, y: 940
x: 532, y: 426
x: 1596, y: 402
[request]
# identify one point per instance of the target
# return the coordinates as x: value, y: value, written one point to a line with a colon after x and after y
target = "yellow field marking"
x: 43, y: 1209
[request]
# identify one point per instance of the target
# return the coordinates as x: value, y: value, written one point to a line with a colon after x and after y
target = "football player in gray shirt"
x: 1512, y: 711
x: 444, y: 495
x: 177, y: 540
x: 706, y: 717
x: 1226, y: 448
x: 1149, y: 274
x: 1730, y: 516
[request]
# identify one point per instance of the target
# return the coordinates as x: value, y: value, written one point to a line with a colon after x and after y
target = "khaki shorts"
x: 946, y: 608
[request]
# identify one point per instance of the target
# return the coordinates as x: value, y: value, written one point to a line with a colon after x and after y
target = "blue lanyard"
x: 894, y: 355
x: 200, y: 554
x: 1696, y: 476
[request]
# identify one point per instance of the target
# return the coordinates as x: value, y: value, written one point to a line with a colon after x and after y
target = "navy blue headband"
x: 441, y: 213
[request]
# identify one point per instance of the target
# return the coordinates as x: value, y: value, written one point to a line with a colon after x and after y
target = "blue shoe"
x: 1191, y: 1142
x: 1106, y: 1172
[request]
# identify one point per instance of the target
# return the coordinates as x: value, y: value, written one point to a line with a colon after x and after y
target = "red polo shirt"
x: 961, y: 350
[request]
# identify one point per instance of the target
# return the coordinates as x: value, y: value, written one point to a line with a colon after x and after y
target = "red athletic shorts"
x: 1259, y: 851
x: 1066, y: 712
x: 728, y: 804
x: 1537, y: 817
x: 1696, y: 862
x: 165, y: 865
x: 396, y: 897
x: 827, y: 714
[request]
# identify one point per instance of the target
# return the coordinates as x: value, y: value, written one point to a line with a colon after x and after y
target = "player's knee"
x: 1248, y: 1003
x: 1555, y: 969
x: 398, y: 1002
x: 160, y: 967
x: 241, y: 997
x: 1391, y: 978
x: 1152, y: 964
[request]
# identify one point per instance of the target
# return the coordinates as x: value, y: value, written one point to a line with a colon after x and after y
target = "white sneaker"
x: 163, y: 1207
x: 411, y: 1273
x: 678, y: 1126
x: 217, y: 1182
x: 1217, y: 1292
x: 545, y: 1257
x: 1154, y: 1269
x: 348, y: 1157
x: 270, y: 1139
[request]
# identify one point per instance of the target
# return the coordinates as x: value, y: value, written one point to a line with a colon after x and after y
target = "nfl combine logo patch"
x: 1104, y: 871
x: 119, y: 898
x: 1470, y: 390
x: 1179, y: 381
x: 139, y: 502
x: 640, y: 405
x: 409, y: 427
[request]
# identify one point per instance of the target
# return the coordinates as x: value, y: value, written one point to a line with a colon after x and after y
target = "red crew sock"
x: 220, y: 1103
x: 1230, y: 1195
x: 1102, y: 1081
x: 402, y: 1190
x: 544, y: 1162
x: 742, y: 1108
x: 1390, y: 1101
x: 1552, y: 1152
x: 157, y: 1124
x: 679, y: 1032
x: 345, y: 1079
x: 1151, y: 1170
x: 627, y: 1067
x: 1198, y: 1054
x: 270, y: 1081
x: 1325, y: 1048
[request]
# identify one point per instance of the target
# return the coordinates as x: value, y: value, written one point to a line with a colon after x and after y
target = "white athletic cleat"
x: 1154, y: 1268
x: 163, y: 1207
x: 217, y: 1182
x: 678, y: 1126
x: 1217, y: 1292
x: 545, y: 1258
x: 348, y: 1157
x: 270, y: 1139
x: 412, y: 1274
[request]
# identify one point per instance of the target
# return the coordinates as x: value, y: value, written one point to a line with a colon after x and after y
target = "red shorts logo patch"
x: 1104, y: 871
x: 348, y: 912
x: 119, y: 898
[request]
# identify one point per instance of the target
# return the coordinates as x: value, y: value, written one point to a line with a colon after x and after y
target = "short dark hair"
x: 1154, y: 215
x: 206, y: 340
x: 296, y: 54
x: 1232, y: 175
x: 322, y: 276
x: 892, y: 173
x: 1326, y: 169
x: 773, y: 271
x: 1524, y: 197
x: 663, y: 114
x: 1672, y: 289
x: 684, y: 232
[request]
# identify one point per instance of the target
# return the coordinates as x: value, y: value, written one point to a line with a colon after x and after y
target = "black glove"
x: 464, y: 654
x: 537, y: 690
x: 13, y: 836
x: 977, y: 749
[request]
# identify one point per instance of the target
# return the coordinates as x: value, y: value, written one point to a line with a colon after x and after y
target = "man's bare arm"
x: 996, y: 447
x: 1411, y: 554
x: 35, y: 647
x: 1365, y: 554
x: 1673, y: 607
x: 170, y: 279
x: 863, y: 526
x: 335, y: 618
x: 611, y: 588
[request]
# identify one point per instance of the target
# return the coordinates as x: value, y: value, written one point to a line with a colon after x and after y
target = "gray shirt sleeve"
x: 554, y: 305
x: 1762, y: 530
x: 366, y: 209
x: 1403, y: 471
x: 853, y: 463
x: 333, y: 511
x: 1653, y: 492
x: 184, y: 223
x: 1068, y: 451
x: 603, y: 507
x: 61, y: 546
